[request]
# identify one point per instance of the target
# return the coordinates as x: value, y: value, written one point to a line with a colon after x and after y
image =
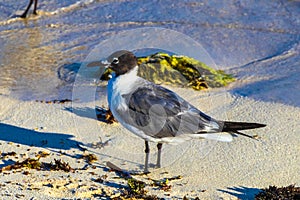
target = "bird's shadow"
x: 34, y: 138
x: 241, y: 192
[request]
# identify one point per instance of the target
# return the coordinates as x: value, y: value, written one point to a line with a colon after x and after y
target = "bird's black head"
x: 122, y: 62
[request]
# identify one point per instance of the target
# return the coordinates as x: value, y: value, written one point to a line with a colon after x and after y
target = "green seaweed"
x: 31, y: 163
x: 188, y: 71
x: 136, y: 186
x: 181, y: 71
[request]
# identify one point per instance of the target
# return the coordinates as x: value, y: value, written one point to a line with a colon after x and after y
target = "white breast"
x: 118, y: 86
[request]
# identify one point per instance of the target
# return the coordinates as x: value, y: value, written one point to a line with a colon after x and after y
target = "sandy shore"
x: 209, y: 169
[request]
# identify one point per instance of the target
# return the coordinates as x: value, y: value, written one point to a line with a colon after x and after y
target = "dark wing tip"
x: 235, y: 126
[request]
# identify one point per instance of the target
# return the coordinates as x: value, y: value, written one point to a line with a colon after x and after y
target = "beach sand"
x: 209, y: 169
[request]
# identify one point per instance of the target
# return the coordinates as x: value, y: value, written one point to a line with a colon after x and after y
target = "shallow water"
x: 236, y: 34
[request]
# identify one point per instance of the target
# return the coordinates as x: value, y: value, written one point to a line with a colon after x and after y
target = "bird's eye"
x: 115, y: 61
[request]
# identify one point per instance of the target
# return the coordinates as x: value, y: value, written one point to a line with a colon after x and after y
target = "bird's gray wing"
x: 160, y: 113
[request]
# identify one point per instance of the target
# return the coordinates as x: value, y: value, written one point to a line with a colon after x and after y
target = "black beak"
x: 102, y: 63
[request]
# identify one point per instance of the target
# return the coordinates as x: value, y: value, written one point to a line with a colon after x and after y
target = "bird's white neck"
x: 132, y: 72
x: 128, y: 77
x: 124, y: 80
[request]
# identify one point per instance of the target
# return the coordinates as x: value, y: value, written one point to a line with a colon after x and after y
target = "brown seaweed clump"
x: 29, y: 163
x: 282, y: 193
x: 60, y: 165
x: 136, y: 189
x: 89, y: 158
x: 105, y: 115
x: 32, y: 163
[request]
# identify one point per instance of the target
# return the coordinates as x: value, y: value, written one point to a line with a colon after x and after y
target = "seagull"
x: 158, y: 114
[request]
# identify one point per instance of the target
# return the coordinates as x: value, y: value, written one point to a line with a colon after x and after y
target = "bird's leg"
x: 147, y: 151
x: 35, y: 6
x: 158, y: 163
x: 28, y: 7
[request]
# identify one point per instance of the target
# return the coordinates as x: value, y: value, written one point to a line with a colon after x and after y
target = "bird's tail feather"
x: 235, y: 127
